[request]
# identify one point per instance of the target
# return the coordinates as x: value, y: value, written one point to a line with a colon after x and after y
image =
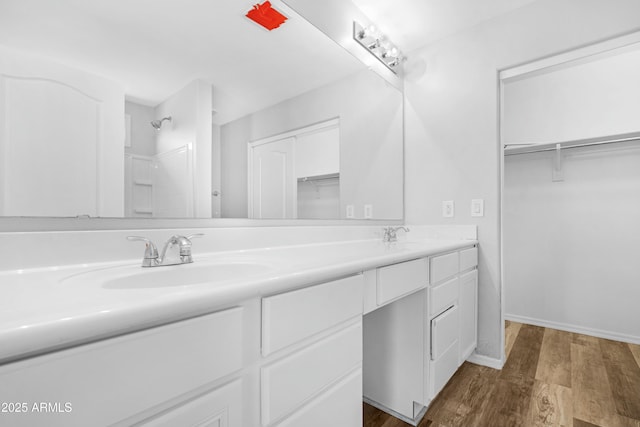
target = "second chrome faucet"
x: 390, y: 233
x: 176, y: 250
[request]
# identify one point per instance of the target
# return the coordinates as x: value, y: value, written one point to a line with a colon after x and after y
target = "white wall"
x: 451, y: 147
x: 190, y: 109
x: 370, y: 113
x: 570, y: 248
x: 593, y: 97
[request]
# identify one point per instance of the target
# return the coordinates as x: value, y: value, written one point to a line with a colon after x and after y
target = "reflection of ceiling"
x: 414, y: 23
x: 156, y: 47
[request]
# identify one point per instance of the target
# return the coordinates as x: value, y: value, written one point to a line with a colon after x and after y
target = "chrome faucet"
x: 177, y: 250
x: 390, y: 233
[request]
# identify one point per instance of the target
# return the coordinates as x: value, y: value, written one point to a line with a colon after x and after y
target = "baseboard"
x: 573, y: 328
x: 413, y: 422
x: 490, y: 362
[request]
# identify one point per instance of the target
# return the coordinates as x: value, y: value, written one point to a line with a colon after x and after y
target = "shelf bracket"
x: 557, y: 174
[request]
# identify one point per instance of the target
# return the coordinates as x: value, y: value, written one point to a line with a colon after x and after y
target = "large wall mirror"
x: 167, y: 109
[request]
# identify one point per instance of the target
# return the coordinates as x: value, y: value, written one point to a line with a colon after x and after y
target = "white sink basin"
x: 198, y: 273
x: 187, y: 275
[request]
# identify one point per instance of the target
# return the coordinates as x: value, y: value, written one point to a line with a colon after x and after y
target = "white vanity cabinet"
x: 188, y: 372
x: 451, y: 318
x: 393, y: 331
x: 312, y: 348
x: 290, y: 354
x: 420, y: 331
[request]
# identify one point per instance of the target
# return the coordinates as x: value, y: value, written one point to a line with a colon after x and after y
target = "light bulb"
x: 371, y: 31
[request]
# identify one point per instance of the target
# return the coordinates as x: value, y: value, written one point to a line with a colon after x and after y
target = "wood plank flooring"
x: 551, y: 378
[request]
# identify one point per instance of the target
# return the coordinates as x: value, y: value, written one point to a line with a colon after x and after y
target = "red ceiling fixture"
x: 266, y: 16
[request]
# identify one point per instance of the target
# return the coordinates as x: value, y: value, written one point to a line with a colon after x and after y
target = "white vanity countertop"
x: 51, y: 308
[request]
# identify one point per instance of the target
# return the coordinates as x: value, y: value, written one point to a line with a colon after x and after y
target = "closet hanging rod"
x: 319, y: 177
x: 536, y: 148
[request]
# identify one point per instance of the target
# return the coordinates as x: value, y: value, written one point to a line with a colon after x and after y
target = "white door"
x: 272, y: 181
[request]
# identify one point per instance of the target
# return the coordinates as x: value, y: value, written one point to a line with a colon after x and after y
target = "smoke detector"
x: 265, y: 15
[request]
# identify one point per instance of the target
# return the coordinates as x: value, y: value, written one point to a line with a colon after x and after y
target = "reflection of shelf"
x: 329, y: 176
x: 143, y: 182
x: 143, y: 211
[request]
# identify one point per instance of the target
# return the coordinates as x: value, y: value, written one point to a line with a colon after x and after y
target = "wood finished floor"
x: 551, y: 378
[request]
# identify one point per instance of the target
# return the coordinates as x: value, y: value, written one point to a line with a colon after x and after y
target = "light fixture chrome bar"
x: 378, y: 45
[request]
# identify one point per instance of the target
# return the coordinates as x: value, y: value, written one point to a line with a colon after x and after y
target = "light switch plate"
x: 448, y: 209
x: 477, y: 207
x: 350, y: 211
x: 368, y: 211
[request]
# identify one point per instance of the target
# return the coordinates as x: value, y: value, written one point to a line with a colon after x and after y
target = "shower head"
x: 158, y: 123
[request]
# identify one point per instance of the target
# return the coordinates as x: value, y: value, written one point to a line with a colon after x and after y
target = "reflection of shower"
x: 158, y: 123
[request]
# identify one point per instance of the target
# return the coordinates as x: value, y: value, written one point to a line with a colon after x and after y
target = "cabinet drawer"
x: 290, y: 317
x: 397, y: 280
x: 340, y: 405
x: 468, y: 258
x: 127, y: 375
x: 443, y: 266
x: 444, y: 333
x: 291, y: 381
x: 442, y: 296
x: 441, y: 370
x: 221, y: 407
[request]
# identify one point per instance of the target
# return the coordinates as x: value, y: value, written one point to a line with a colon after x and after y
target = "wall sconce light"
x: 378, y: 45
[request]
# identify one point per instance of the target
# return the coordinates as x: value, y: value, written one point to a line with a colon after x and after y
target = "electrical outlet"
x: 368, y: 211
x: 350, y: 211
x: 477, y: 207
x: 448, y: 209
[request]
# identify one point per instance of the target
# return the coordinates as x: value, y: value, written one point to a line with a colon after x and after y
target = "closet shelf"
x: 514, y: 149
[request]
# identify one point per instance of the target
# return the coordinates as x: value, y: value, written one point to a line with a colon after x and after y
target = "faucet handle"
x: 150, y: 251
x: 390, y: 233
x: 185, y: 244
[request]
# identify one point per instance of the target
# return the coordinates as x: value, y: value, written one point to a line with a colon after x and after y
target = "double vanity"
x: 275, y: 336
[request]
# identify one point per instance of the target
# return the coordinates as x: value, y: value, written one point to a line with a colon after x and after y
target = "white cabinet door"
x: 444, y: 349
x: 468, y: 302
x: 112, y: 380
x: 341, y: 405
x: 221, y: 407
x: 295, y: 379
x: 297, y: 315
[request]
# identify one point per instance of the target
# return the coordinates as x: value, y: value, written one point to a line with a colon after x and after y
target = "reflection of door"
x: 173, y: 185
x: 61, y: 140
x: 272, y: 182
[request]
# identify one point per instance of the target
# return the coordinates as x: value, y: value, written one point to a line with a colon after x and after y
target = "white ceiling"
x: 156, y: 47
x: 411, y: 24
